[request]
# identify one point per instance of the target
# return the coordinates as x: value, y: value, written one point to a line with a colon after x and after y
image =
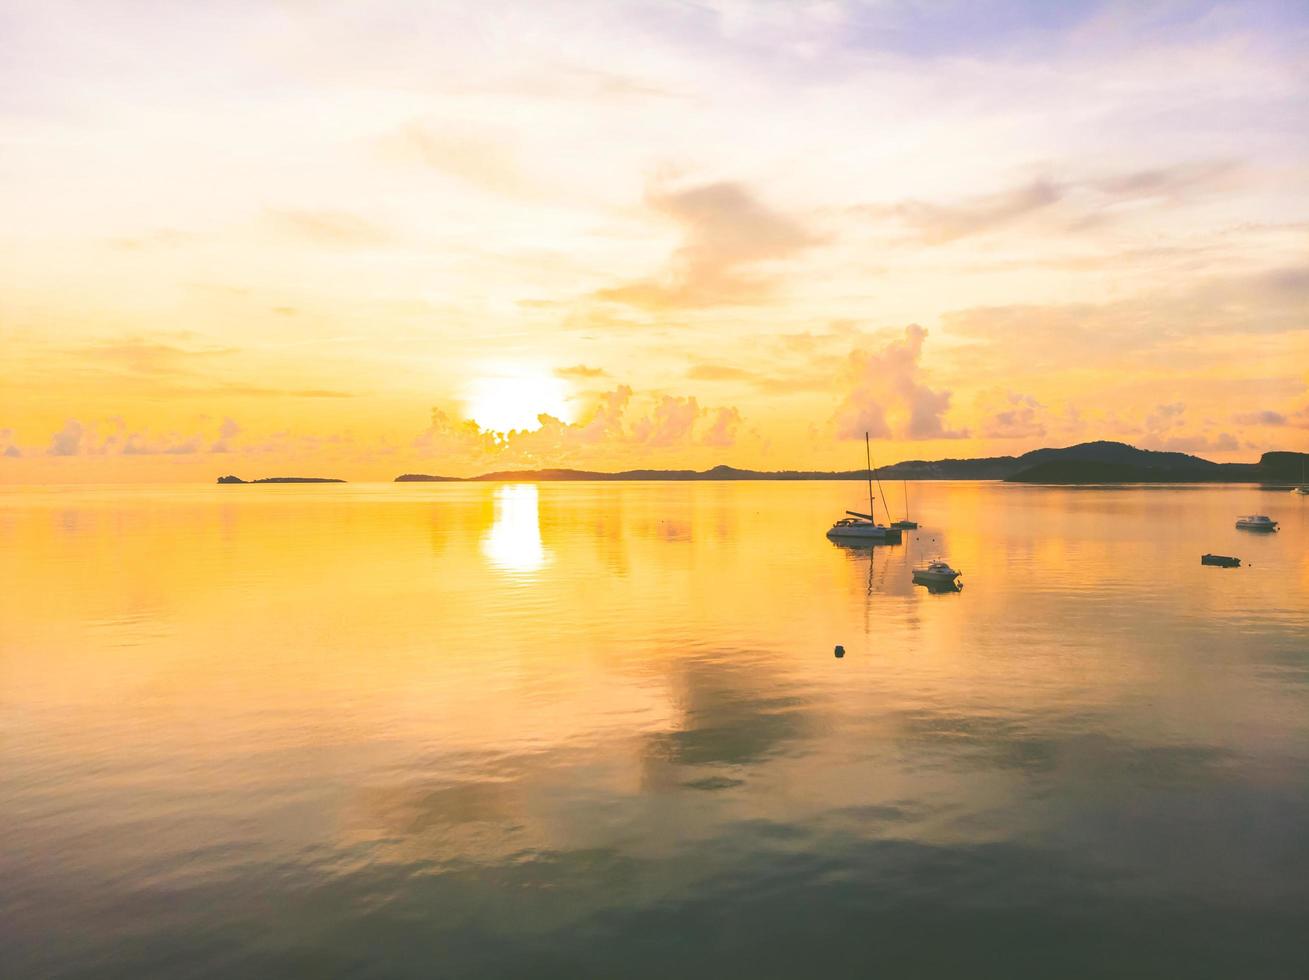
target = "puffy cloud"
x: 7, y: 442
x: 886, y: 397
x: 171, y: 444
x: 227, y: 431
x: 68, y: 441
x: 611, y: 425
x: 1010, y: 415
x: 463, y: 438
x: 1164, y: 417
x: 669, y: 424
x: 1166, y: 430
x: 112, y: 438
x: 725, y: 232
x: 722, y: 430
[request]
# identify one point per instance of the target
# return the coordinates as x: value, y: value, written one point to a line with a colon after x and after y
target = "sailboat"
x: 859, y: 527
x: 1303, y: 488
x: 906, y: 524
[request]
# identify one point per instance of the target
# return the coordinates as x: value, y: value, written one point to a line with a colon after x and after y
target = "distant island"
x: 281, y: 479
x: 1085, y: 463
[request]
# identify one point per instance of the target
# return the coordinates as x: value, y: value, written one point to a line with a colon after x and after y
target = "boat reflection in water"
x: 940, y: 588
x: 513, y: 544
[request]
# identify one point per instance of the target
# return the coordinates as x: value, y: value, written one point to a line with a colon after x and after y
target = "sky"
x: 362, y: 239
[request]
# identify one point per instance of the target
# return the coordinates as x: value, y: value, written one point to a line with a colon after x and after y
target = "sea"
x: 600, y: 730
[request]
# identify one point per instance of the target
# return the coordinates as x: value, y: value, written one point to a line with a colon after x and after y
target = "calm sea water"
x: 598, y: 730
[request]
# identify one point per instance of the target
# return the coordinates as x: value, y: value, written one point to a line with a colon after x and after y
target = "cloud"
x: 112, y: 438
x: 1079, y: 203
x: 335, y: 228
x: 162, y: 238
x: 722, y: 430
x: 718, y: 372
x: 68, y: 441
x: 171, y: 444
x: 670, y: 424
x: 885, y: 396
x: 1266, y: 417
x: 1052, y: 337
x: 1164, y: 428
x: 725, y: 233
x: 139, y: 355
x: 616, y: 421
x: 1198, y: 443
x: 480, y: 157
x: 1164, y: 417
x: 1010, y: 415
x: 7, y: 441
x: 168, y: 365
x: 580, y: 371
x: 1163, y: 182
x: 937, y: 224
x: 227, y: 431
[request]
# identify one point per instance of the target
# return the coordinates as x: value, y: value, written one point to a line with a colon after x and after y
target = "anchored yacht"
x: 1256, y: 522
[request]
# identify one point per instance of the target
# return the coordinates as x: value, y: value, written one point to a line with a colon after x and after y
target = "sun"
x: 513, y: 400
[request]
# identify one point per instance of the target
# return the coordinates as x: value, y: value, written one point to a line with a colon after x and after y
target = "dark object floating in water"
x: 281, y: 479
x: 840, y: 651
x: 1222, y: 561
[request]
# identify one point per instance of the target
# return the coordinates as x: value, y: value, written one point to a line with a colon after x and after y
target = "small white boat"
x: 936, y: 572
x: 1303, y: 488
x: 1256, y: 522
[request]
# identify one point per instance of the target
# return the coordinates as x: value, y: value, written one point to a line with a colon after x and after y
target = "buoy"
x: 840, y: 651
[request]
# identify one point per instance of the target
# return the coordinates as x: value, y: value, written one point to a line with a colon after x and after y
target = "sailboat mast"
x: 868, y: 455
x: 885, y: 506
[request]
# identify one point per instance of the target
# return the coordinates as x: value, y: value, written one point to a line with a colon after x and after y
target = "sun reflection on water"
x: 513, y: 544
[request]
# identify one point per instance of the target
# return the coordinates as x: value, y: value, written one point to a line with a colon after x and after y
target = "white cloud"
x: 886, y: 395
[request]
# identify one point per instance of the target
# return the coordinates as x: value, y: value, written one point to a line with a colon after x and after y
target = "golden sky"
x: 356, y: 240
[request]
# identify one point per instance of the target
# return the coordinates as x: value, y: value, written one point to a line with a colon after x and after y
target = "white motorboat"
x: 936, y: 572
x: 857, y: 527
x: 1256, y: 522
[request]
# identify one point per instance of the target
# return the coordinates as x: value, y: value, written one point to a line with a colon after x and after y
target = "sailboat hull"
x: 863, y: 532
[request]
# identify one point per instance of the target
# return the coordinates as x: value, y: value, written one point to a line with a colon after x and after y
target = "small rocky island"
x: 281, y: 479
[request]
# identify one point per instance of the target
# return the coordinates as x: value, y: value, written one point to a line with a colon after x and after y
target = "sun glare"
x: 513, y: 401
